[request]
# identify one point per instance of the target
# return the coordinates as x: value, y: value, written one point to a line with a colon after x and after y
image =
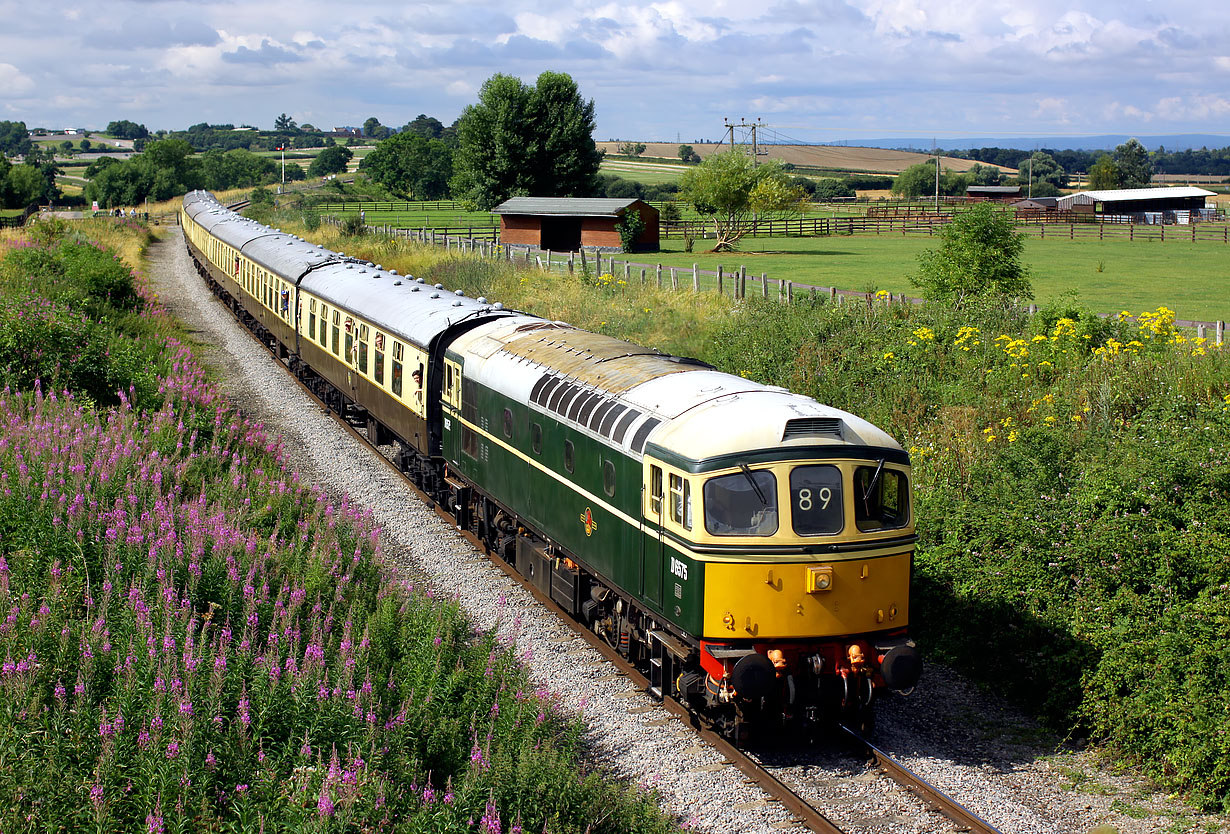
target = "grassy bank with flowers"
x: 1071, y: 472
x: 193, y: 640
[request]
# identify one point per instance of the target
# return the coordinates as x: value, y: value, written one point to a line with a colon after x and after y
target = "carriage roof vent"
x: 813, y: 426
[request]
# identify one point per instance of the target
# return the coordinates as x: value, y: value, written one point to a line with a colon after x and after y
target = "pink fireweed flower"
x: 324, y: 806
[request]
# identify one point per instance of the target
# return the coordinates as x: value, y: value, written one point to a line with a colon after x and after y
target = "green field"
x: 1107, y: 276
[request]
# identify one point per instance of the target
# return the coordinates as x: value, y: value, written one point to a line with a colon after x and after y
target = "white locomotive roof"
x: 696, y: 413
x: 762, y: 418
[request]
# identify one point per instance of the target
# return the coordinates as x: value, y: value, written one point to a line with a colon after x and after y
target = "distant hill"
x: 1107, y: 142
x: 832, y: 157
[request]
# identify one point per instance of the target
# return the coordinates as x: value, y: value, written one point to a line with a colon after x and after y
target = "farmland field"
x: 832, y: 157
x: 1108, y: 276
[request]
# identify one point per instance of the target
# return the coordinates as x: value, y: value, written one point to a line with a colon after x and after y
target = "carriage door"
x: 652, y: 553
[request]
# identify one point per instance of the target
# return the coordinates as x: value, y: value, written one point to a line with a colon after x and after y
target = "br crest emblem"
x: 587, y: 519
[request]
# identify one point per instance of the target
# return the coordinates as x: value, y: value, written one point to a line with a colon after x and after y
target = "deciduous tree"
x: 1104, y: 174
x: 330, y: 161
x: 521, y: 140
x: 411, y: 165
x: 731, y: 189
x: 1132, y: 160
x: 979, y: 256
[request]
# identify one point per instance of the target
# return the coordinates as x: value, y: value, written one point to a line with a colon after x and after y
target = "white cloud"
x: 14, y: 81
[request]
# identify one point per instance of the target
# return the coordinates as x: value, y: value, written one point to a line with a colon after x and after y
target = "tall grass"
x: 195, y: 640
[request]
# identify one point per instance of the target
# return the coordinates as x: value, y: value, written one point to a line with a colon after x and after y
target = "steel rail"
x: 920, y: 787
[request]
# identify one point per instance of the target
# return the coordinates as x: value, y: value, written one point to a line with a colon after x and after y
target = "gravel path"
x: 993, y: 761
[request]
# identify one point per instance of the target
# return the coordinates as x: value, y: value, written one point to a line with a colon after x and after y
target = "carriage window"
x: 681, y: 501
x: 608, y: 478
x: 378, y: 368
x: 508, y: 423
x: 881, y: 498
x: 742, y: 504
x: 536, y: 438
x: 312, y: 319
x: 655, y: 491
x: 570, y: 456
x: 395, y: 382
x: 815, y: 500
x: 337, y: 323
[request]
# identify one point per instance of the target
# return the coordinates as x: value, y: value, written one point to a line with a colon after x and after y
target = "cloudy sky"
x: 811, y: 70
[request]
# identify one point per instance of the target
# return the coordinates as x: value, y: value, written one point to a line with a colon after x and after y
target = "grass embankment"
x: 195, y: 641
x: 1072, y: 484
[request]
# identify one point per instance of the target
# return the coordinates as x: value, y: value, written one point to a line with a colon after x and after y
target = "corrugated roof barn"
x: 1133, y: 201
x: 570, y: 223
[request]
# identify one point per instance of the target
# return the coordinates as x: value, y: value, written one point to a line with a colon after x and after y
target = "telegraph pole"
x: 745, y: 125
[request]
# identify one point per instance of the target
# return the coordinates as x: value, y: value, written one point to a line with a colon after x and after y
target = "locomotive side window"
x: 570, y: 456
x: 608, y: 478
x: 536, y: 438
x: 815, y: 500
x: 681, y: 501
x: 881, y: 498
x: 655, y: 491
x: 508, y: 423
x: 742, y: 504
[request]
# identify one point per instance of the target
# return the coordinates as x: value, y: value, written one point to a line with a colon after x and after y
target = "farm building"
x: 979, y: 193
x: 1180, y: 204
x: 569, y: 223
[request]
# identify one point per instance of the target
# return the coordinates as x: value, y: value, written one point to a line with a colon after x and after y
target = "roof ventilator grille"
x: 810, y: 426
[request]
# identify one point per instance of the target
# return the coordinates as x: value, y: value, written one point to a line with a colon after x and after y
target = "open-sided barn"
x: 1180, y: 204
x: 571, y: 223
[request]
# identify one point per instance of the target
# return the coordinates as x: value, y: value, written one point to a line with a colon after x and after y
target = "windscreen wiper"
x: 747, y: 473
x: 875, y: 479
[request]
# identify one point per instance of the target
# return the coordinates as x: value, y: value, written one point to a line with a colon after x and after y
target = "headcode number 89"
x: 824, y: 494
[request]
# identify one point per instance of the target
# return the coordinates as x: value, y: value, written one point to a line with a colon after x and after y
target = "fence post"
x: 1201, y: 331
x: 719, y: 280
x: 789, y: 292
x: 1220, y: 332
x: 627, y: 272
x: 572, y: 263
x: 742, y: 281
x: 833, y: 294
x: 764, y: 285
x: 695, y: 279
x: 659, y: 276
x: 642, y: 276
x: 674, y: 279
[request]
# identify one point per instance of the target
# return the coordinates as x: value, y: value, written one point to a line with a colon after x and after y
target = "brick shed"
x: 566, y: 224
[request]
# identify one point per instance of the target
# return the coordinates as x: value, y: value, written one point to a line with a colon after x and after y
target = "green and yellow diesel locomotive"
x: 749, y: 547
